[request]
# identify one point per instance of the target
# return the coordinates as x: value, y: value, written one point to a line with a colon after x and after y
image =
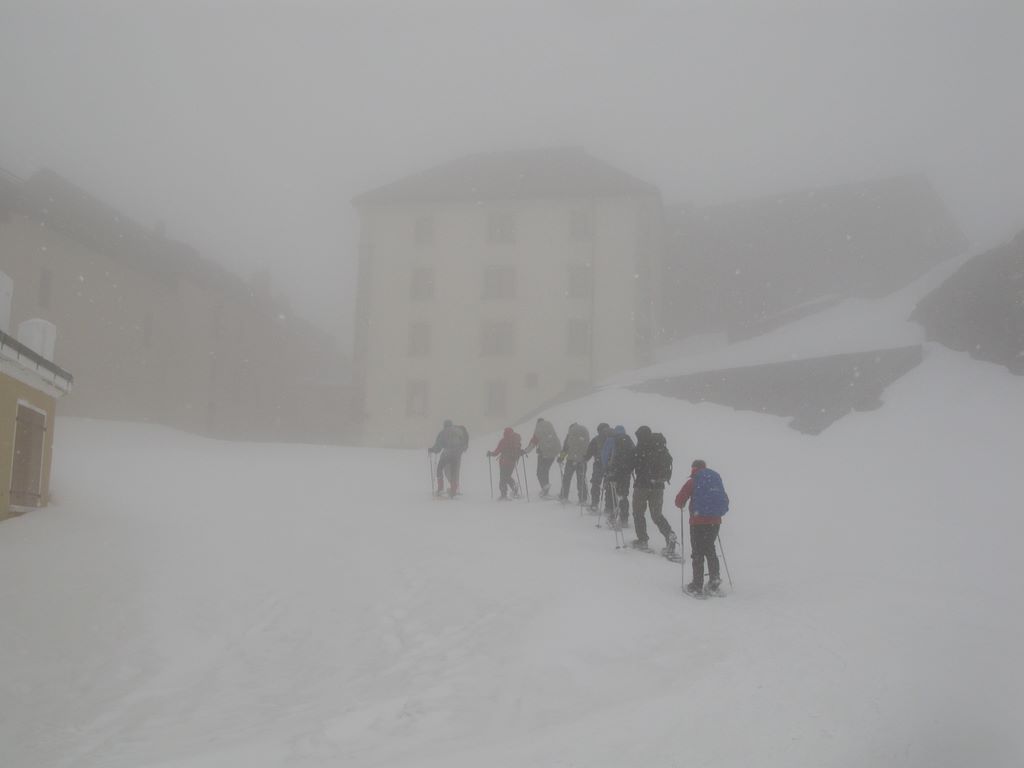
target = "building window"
x: 579, y: 338
x: 581, y: 225
x: 419, y: 340
x: 417, y: 396
x: 501, y: 228
x: 495, y: 393
x: 579, y: 281
x: 424, y: 230
x: 531, y: 381
x: 45, y: 288
x: 422, y: 286
x: 498, y: 338
x: 499, y: 283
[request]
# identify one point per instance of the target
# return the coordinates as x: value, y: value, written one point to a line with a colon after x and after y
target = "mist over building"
x: 156, y: 332
x: 747, y: 266
x: 498, y: 283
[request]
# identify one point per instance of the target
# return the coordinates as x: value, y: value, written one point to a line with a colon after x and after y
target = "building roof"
x: 813, y: 216
x: 30, y: 360
x: 516, y: 175
x: 81, y: 216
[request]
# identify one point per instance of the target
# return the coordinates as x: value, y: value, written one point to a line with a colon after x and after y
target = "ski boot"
x: 670, y: 546
x: 640, y: 544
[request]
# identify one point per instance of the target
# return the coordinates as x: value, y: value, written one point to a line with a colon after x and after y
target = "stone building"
x: 497, y: 282
x: 154, y: 332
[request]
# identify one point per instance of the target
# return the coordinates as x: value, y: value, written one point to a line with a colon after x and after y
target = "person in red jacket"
x: 708, y: 502
x: 508, y: 451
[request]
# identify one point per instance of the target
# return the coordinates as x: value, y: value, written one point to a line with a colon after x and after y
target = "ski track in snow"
x: 188, y: 603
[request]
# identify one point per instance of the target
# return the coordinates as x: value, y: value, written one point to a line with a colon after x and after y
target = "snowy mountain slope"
x: 852, y: 325
x: 188, y: 603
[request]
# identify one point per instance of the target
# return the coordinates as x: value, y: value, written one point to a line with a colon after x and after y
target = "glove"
x: 561, y: 458
x: 489, y: 454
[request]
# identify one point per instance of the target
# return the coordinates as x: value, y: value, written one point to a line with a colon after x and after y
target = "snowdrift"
x: 188, y: 603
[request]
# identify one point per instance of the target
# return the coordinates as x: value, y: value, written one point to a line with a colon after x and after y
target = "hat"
x: 643, y: 433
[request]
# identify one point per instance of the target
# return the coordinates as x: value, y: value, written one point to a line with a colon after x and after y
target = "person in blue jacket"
x: 617, y: 456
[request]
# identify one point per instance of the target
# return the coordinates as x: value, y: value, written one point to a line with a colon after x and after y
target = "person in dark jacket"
x: 597, y: 469
x: 546, y: 441
x: 451, y: 443
x: 577, y: 440
x: 508, y: 451
x: 617, y: 455
x: 706, y: 511
x: 652, y: 467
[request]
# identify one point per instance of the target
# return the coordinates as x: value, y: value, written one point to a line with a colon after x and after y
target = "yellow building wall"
x: 11, y: 392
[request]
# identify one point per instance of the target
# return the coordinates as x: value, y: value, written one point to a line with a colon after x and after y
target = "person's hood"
x: 602, y: 428
x: 508, y: 432
x: 643, y: 434
x: 447, y: 423
x: 620, y: 430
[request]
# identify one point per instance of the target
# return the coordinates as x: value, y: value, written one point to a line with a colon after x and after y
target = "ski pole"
x: 490, y: 475
x: 724, y: 561
x: 615, y: 524
x: 526, y: 479
x: 581, y: 485
x: 430, y: 459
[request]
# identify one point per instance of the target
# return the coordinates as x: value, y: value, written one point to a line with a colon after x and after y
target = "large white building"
x: 497, y: 283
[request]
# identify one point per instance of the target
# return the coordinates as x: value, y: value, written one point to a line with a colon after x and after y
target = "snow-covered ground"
x: 188, y: 603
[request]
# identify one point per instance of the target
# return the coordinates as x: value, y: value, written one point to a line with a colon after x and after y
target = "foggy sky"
x: 247, y: 127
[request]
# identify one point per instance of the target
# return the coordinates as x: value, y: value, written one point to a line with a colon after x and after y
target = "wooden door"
x: 27, y: 474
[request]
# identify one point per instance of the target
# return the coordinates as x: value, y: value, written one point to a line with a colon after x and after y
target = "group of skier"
x: 618, y: 461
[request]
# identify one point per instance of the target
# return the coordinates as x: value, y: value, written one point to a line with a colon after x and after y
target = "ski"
x: 704, y: 595
x: 674, y: 558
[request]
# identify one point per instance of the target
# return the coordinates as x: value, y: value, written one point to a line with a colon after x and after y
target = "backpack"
x: 622, y: 455
x: 459, y: 441
x: 659, y: 460
x: 577, y: 442
x: 709, y: 497
x: 510, y: 452
x: 548, y: 444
